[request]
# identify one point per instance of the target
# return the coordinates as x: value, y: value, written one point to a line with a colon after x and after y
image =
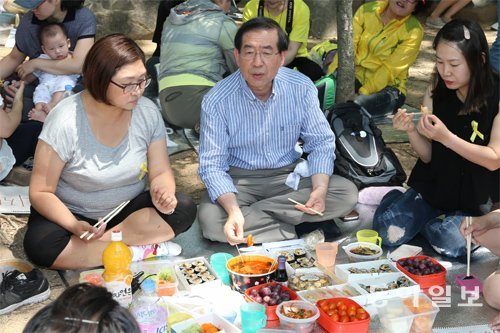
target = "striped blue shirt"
x: 239, y: 130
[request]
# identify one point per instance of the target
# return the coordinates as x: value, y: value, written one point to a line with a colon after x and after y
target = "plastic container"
x: 353, y: 257
x: 270, y: 309
x: 425, y: 281
x: 414, y: 314
x: 117, y: 275
x: 330, y: 325
x: 68, y: 91
x: 212, y: 318
x: 298, y: 325
x: 150, y: 315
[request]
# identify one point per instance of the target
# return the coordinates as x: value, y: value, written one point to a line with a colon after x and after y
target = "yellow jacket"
x: 383, y: 54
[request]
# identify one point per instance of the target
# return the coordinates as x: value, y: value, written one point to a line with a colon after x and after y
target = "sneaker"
x: 164, y: 249
x: 19, y: 288
x: 436, y: 23
x: 329, y: 228
x: 352, y: 216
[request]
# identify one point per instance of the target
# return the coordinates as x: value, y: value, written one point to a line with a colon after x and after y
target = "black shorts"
x: 45, y: 240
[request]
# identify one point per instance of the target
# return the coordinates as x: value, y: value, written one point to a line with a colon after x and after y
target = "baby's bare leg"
x: 38, y: 112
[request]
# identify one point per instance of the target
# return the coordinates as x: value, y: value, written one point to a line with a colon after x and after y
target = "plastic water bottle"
x: 147, y: 309
x: 68, y: 91
x: 117, y: 276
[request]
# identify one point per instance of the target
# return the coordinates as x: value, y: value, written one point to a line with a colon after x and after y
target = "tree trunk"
x: 345, y: 70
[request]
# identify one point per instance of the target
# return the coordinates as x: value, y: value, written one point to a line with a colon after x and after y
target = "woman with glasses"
x: 387, y: 39
x: 100, y: 148
x: 197, y: 46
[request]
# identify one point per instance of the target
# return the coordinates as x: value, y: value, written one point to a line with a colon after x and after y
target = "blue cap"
x: 29, y: 4
x: 148, y: 286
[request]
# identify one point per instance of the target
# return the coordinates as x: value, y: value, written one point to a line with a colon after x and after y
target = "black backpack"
x: 361, y: 153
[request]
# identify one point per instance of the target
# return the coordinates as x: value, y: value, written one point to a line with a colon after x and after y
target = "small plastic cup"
x: 218, y: 262
x: 369, y: 236
x: 253, y: 317
x: 326, y: 253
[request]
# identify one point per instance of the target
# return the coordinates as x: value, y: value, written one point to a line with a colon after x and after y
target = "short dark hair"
x: 261, y: 23
x: 83, y: 308
x: 469, y: 37
x: 104, y: 59
x: 51, y: 30
x: 68, y: 4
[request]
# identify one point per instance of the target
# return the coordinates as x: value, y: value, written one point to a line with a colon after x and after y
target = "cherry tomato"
x: 362, y: 316
x: 344, y: 319
x: 335, y: 317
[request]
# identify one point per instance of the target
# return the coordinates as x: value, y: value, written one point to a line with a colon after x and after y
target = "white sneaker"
x: 164, y: 249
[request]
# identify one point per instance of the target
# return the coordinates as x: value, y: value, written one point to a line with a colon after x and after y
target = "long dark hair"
x: 470, y: 39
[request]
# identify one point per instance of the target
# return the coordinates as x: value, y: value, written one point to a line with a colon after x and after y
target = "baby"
x: 55, y: 45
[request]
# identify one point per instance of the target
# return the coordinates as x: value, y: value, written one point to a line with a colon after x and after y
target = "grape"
x: 254, y: 292
x: 265, y: 291
x: 285, y: 296
x: 258, y: 299
x: 272, y: 302
x: 421, y: 266
x: 274, y: 294
x: 266, y: 299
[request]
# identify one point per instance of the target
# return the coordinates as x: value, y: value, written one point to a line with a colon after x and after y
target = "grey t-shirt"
x: 79, y: 24
x: 96, y: 178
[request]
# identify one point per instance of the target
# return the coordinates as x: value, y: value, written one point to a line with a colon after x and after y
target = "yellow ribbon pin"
x: 144, y: 170
x: 475, y: 132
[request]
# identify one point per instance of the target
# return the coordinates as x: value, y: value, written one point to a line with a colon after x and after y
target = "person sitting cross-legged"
x: 251, y: 122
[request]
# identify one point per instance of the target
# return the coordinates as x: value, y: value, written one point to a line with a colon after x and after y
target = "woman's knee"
x: 43, y: 249
x: 491, y: 290
x: 184, y: 215
x: 444, y: 236
x: 391, y: 220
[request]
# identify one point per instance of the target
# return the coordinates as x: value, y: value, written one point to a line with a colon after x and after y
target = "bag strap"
x: 289, y: 14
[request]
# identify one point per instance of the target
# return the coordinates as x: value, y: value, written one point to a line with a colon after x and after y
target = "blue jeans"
x: 401, y: 216
x: 495, y: 48
x: 382, y: 103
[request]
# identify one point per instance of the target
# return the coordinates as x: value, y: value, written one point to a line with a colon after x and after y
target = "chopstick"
x: 106, y: 218
x: 311, y: 209
x: 469, y: 241
x: 392, y: 115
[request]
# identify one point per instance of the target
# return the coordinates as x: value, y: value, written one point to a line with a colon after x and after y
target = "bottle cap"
x: 148, y: 286
x: 68, y: 87
x: 116, y: 236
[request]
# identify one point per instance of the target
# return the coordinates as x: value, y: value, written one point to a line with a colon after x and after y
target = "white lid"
x: 116, y: 236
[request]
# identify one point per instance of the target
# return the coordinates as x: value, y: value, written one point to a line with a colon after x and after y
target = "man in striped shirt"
x: 250, y: 125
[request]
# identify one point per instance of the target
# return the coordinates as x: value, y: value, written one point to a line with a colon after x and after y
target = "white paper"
x: 14, y: 200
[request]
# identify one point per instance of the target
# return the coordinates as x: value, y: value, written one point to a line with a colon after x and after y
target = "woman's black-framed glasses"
x: 133, y: 87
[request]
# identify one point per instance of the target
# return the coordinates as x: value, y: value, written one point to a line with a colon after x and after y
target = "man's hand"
x: 26, y: 68
x: 233, y: 229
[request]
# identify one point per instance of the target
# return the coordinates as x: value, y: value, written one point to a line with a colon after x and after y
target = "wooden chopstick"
x: 392, y: 115
x: 311, y: 209
x: 106, y: 218
x: 469, y: 241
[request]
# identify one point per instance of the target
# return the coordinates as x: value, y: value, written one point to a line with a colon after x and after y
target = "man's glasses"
x: 265, y: 55
x: 133, y: 87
